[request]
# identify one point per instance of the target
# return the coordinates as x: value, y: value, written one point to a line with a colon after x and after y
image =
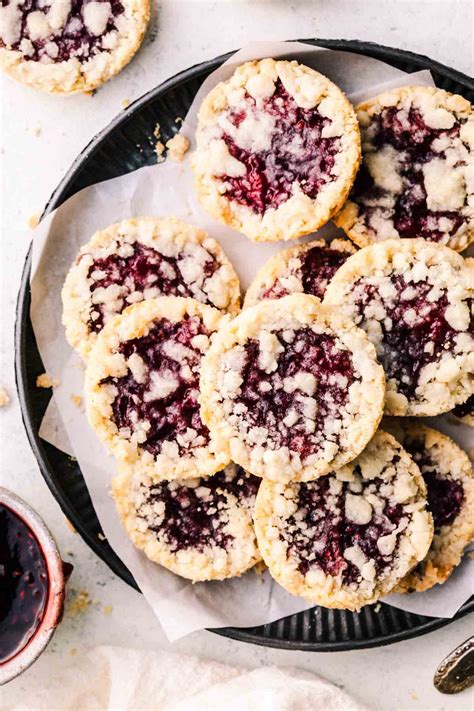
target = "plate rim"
x: 22, y: 317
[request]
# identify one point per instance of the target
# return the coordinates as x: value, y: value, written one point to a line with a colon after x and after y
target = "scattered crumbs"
x: 4, y: 397
x: 178, y: 119
x: 377, y: 608
x: 177, y: 147
x: 72, y: 652
x: 71, y: 458
x: 157, y: 131
x: 77, y: 400
x: 69, y: 525
x: 78, y: 603
x: 414, y: 696
x: 107, y: 609
x: 101, y: 537
x: 159, y: 149
x: 125, y: 103
x: 33, y: 221
x: 260, y: 567
x: 46, y: 381
x: 470, y: 554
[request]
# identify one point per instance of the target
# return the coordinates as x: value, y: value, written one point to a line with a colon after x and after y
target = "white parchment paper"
x: 163, y: 190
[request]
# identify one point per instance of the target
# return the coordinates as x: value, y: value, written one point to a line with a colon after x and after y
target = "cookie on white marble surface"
x: 143, y: 258
x: 291, y: 389
x: 449, y: 478
x: 306, y: 269
x: 416, y: 178
x: 66, y: 46
x: 201, y: 529
x: 347, y: 538
x: 414, y: 299
x: 278, y: 147
x: 142, y: 387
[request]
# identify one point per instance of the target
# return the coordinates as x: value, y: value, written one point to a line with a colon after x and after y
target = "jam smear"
x: 310, y: 353
x: 24, y: 584
x: 319, y: 536
x: 445, y: 495
x: 318, y: 266
x: 171, y: 415
x: 413, y: 139
x: 144, y: 269
x: 298, y: 154
x: 408, y: 347
x: 73, y: 40
x: 195, y: 521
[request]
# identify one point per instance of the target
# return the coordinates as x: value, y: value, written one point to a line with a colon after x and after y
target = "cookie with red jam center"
x: 449, y: 480
x: 66, y: 46
x: 290, y: 389
x: 198, y: 528
x: 305, y: 269
x: 143, y: 258
x: 416, y: 174
x: 278, y: 147
x: 142, y: 388
x: 414, y: 299
x: 347, y: 538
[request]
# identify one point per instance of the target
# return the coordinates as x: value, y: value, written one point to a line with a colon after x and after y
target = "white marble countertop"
x: 40, y: 136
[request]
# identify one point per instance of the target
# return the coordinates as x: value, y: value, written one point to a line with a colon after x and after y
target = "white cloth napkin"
x: 119, y: 679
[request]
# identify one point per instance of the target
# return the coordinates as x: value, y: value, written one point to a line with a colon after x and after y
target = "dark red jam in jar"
x: 24, y: 584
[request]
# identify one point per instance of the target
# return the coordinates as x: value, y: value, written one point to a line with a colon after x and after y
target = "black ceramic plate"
x: 123, y: 146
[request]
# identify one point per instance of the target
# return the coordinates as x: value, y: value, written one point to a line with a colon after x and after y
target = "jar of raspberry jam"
x: 32, y: 585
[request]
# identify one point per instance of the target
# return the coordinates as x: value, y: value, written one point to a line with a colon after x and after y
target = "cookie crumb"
x: 72, y: 652
x: 69, y: 525
x: 101, y: 537
x: 159, y: 149
x: 33, y: 221
x: 79, y: 602
x: 177, y: 147
x: 178, y: 119
x: 77, y: 400
x: 157, y: 131
x: 414, y: 696
x: 377, y: 608
x: 107, y: 609
x: 4, y: 397
x: 46, y: 381
x: 125, y: 103
x: 36, y: 130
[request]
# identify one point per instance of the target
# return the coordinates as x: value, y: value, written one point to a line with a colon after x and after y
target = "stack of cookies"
x: 243, y: 435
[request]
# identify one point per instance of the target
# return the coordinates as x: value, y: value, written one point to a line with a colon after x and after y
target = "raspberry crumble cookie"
x: 346, y: 539
x: 278, y: 147
x: 449, y: 480
x: 138, y: 259
x: 200, y: 529
x: 66, y: 46
x: 142, y: 387
x: 417, y: 174
x: 291, y: 389
x: 306, y: 268
x: 414, y: 299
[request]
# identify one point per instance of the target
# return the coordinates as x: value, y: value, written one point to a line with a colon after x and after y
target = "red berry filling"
x: 24, y: 584
x: 73, y: 41
x: 175, y: 413
x: 318, y: 536
x: 309, y: 352
x: 445, y: 495
x: 195, y: 517
x: 144, y: 269
x: 413, y: 139
x: 407, y: 347
x: 465, y: 409
x: 298, y: 155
